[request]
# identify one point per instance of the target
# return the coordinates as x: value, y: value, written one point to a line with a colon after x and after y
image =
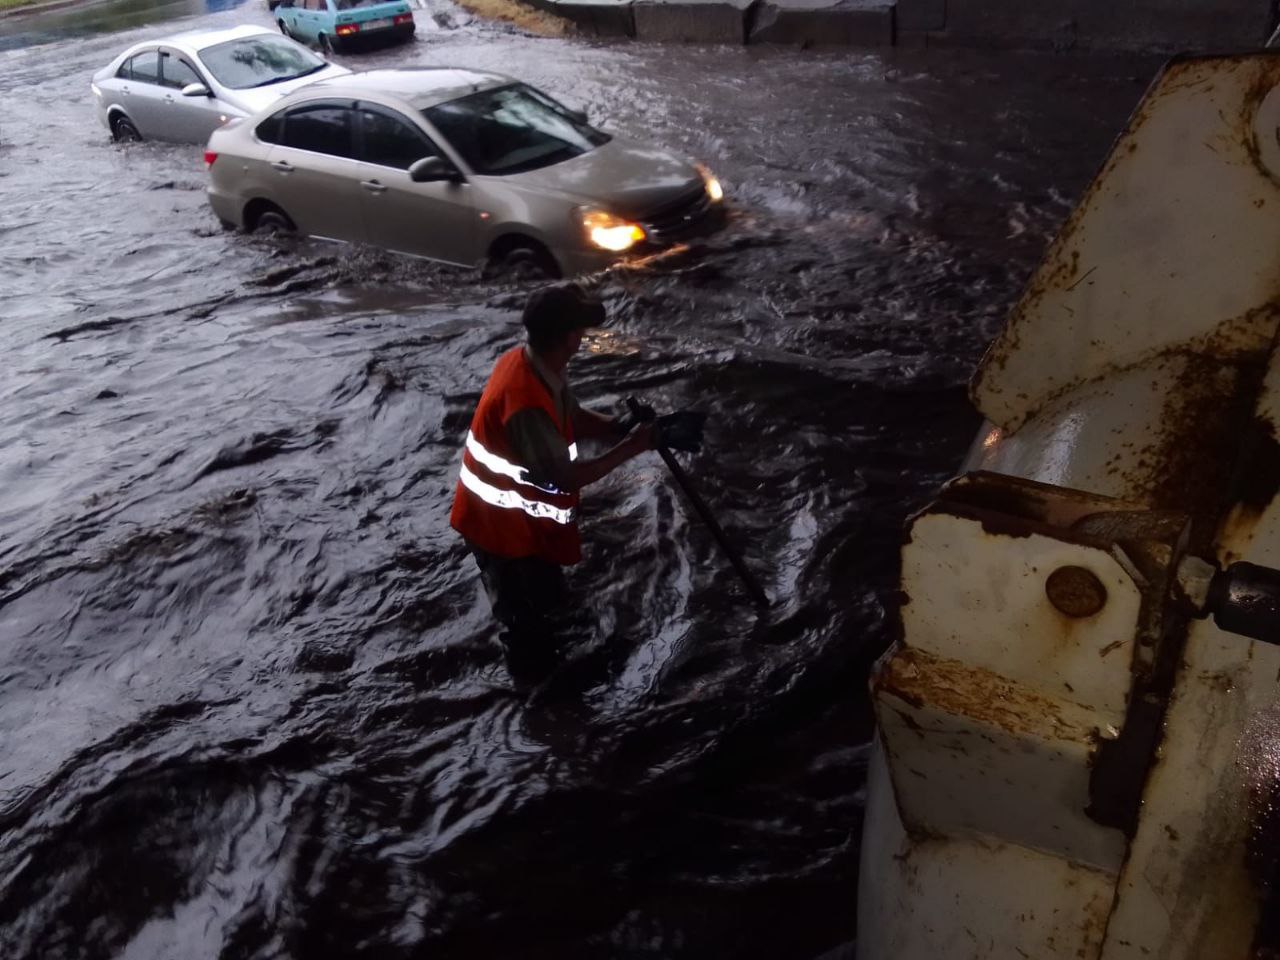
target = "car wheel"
x: 527, y: 261
x: 284, y: 28
x: 123, y: 130
x: 326, y: 45
x: 272, y: 221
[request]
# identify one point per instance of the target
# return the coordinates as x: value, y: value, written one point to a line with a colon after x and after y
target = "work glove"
x: 681, y: 430
x: 637, y: 413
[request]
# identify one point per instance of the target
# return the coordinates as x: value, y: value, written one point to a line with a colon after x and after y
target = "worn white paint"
x: 1175, y: 241
x: 977, y: 841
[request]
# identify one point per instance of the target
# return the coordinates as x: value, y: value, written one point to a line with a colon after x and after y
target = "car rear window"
x: 145, y: 67
x: 269, y: 130
x: 258, y: 61
x: 512, y: 129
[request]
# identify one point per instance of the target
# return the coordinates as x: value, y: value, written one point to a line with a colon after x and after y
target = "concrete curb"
x: 692, y: 21
x: 811, y: 23
x: 846, y: 23
x: 601, y: 18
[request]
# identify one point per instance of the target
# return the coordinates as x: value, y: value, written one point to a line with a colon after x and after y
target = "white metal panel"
x: 981, y: 598
x: 975, y: 757
x: 962, y: 899
x: 1175, y: 244
x: 1187, y: 892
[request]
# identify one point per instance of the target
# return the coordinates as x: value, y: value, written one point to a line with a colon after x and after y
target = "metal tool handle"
x: 1245, y: 599
x: 700, y: 507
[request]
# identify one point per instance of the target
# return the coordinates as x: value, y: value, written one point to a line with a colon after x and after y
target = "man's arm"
x: 534, y: 437
x: 591, y: 424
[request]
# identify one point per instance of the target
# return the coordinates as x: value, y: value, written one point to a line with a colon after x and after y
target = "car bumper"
x: 373, y: 38
x: 226, y: 207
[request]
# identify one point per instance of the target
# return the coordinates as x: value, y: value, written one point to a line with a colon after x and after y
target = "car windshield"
x: 258, y: 61
x: 512, y: 129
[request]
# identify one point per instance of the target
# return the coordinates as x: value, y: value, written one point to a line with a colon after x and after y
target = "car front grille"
x: 681, y: 219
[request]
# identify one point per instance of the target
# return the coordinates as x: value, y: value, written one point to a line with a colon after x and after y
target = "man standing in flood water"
x: 516, y: 502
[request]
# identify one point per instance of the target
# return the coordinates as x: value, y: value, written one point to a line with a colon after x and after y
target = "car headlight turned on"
x: 714, y: 190
x: 608, y: 232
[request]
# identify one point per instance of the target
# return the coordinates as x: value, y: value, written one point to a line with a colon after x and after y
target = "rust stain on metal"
x: 1060, y: 269
x: 1076, y: 591
x: 1257, y: 481
x: 952, y: 687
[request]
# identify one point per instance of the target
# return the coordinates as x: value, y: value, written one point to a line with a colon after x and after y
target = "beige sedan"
x: 459, y: 166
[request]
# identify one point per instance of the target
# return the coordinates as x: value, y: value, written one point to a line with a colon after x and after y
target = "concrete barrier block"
x: 913, y: 15
x: 846, y: 23
x: 691, y: 21
x: 601, y: 18
x: 1198, y: 25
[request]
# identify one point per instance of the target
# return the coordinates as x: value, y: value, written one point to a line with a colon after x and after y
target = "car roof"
x: 422, y: 87
x: 196, y: 40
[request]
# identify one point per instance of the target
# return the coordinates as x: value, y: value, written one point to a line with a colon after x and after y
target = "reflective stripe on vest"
x: 511, y: 500
x: 497, y: 464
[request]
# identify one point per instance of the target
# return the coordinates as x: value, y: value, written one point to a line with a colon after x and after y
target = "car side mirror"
x: 196, y: 90
x: 432, y: 169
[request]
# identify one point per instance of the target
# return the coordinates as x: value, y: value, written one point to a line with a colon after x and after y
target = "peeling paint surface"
x: 1135, y: 272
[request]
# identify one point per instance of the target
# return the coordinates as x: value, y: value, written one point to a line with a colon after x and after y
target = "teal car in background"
x: 343, y: 24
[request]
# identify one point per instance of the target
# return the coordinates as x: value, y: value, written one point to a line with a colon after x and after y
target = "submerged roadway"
x: 250, y: 699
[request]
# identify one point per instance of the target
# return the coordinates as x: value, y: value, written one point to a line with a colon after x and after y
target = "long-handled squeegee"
x: 700, y: 506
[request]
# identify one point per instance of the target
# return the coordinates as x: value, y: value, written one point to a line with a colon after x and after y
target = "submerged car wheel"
x: 123, y: 130
x: 523, y: 261
x: 326, y: 45
x: 273, y: 220
x: 284, y: 29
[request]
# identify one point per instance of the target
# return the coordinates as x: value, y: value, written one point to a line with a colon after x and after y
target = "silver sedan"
x: 184, y: 87
x: 455, y: 165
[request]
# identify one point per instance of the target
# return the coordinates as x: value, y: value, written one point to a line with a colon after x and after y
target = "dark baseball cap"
x: 554, y: 310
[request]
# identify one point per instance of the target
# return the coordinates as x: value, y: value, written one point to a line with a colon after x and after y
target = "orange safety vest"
x: 496, y: 507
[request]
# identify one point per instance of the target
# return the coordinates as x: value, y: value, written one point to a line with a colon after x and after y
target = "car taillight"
x: 346, y: 29
x: 209, y: 157
x: 400, y: 18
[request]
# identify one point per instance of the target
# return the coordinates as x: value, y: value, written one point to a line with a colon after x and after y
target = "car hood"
x: 259, y: 98
x: 627, y: 178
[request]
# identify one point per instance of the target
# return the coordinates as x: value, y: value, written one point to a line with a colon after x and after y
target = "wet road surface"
x: 251, y: 701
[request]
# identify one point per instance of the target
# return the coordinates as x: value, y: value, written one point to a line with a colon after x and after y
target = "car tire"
x: 123, y: 130
x: 272, y: 221
x: 525, y: 262
x: 326, y: 45
x: 284, y: 28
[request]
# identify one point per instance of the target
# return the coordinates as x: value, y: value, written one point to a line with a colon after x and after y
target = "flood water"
x: 251, y: 699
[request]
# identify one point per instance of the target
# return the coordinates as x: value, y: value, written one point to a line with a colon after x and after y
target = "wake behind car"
x: 342, y: 24
x: 455, y: 165
x: 184, y: 87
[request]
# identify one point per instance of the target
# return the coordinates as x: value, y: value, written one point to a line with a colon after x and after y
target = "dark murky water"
x: 251, y: 703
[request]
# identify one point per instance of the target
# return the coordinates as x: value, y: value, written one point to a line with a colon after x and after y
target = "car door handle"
x: 282, y: 166
x: 373, y: 186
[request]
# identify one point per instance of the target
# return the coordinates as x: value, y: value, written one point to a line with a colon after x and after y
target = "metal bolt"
x: 1075, y: 591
